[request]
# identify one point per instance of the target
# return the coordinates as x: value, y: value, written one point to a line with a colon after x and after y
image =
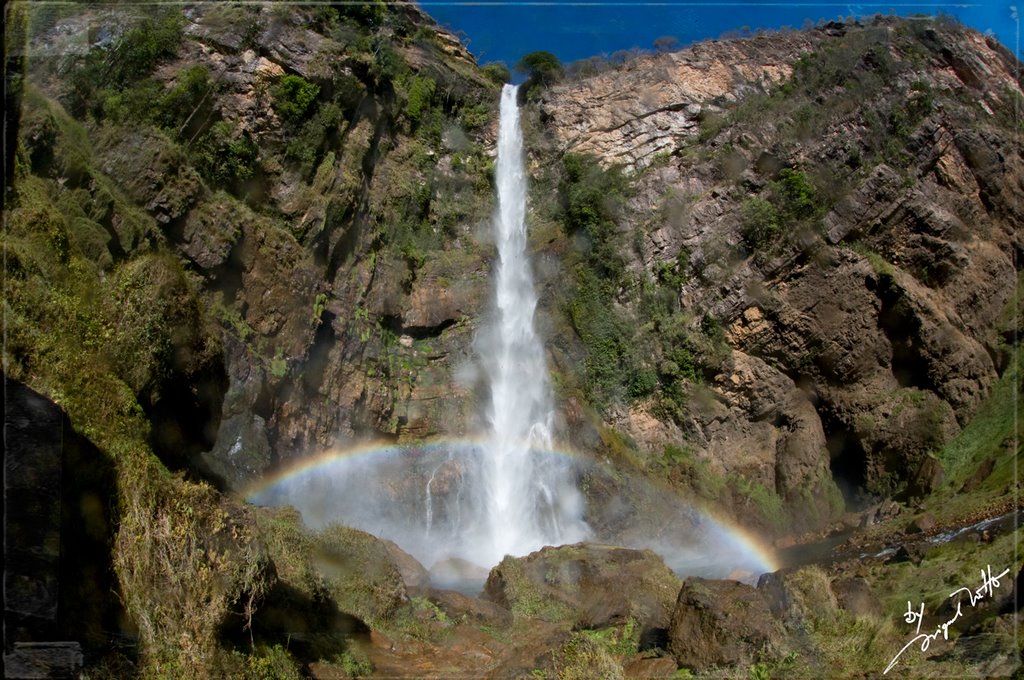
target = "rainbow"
x: 757, y: 555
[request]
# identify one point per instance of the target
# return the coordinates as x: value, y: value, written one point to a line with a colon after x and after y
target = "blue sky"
x: 504, y: 31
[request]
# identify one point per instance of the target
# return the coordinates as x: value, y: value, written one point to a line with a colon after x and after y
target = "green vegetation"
x: 618, y: 641
x: 792, y: 201
x: 584, y: 658
x: 102, y: 337
x: 268, y: 663
x: 993, y: 434
x: 760, y: 222
x: 498, y: 72
x: 685, y: 470
x: 104, y: 317
x: 593, y: 202
x: 149, y: 102
x: 222, y: 158
x: 103, y: 73
x: 420, y: 91
x: 593, y: 198
x: 542, y: 69
x: 308, y: 142
x: 767, y: 505
x: 857, y: 77
x: 660, y: 351
x: 293, y: 96
x: 877, y: 262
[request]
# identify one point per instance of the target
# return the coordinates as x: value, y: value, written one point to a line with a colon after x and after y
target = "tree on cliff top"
x: 541, y: 69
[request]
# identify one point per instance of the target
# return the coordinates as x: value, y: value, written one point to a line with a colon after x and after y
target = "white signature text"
x: 988, y: 584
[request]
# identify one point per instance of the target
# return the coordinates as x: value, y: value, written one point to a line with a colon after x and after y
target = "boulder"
x: 414, y: 574
x: 722, y: 623
x: 587, y: 585
x: 854, y: 594
x: 922, y: 524
x: 909, y: 552
x: 928, y: 478
x: 979, y: 476
x: 657, y: 667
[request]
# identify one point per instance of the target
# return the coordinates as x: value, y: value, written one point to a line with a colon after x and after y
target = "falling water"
x: 528, y: 504
x: 460, y: 506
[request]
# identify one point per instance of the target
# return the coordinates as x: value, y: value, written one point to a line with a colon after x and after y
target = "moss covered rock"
x: 587, y: 585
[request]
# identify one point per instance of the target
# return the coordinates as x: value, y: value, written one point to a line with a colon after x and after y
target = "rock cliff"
x: 839, y: 202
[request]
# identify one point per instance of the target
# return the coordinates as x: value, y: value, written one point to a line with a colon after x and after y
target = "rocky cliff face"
x: 840, y: 202
x: 332, y: 227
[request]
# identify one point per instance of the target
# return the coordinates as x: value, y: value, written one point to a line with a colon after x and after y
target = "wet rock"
x: 588, y: 585
x: 889, y: 509
x: 446, y: 290
x: 359, y: 573
x: 414, y: 574
x: 772, y: 435
x: 773, y: 586
x: 722, y: 623
x: 44, y: 660
x: 909, y: 552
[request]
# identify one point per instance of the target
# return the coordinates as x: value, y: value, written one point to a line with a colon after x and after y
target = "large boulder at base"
x: 590, y: 586
x: 722, y: 623
x: 414, y: 574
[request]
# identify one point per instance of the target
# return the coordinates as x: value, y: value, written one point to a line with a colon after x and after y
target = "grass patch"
x: 618, y: 641
x: 584, y: 658
x: 994, y: 433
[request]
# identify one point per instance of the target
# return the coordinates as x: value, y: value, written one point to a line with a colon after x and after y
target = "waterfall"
x: 460, y: 506
x: 529, y: 503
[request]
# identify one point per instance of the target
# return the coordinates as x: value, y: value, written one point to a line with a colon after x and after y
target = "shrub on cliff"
x: 498, y: 72
x: 293, y: 98
x: 792, y: 199
x: 132, y: 58
x: 222, y: 158
x: 541, y: 69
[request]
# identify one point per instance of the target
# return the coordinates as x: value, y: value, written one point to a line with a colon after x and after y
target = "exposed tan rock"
x: 630, y: 115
